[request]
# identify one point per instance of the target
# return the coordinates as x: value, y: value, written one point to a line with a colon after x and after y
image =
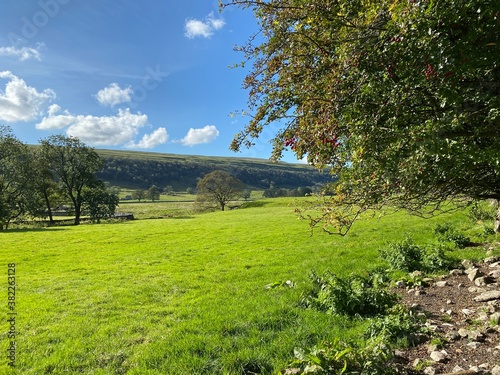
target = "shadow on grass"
x: 24, y: 230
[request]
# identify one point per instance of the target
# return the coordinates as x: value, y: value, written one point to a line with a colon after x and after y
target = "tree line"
x: 61, y: 171
x: 142, y: 173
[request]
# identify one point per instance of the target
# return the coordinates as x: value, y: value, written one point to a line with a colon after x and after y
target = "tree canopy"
x: 399, y: 97
x: 73, y: 166
x: 218, y: 187
x: 15, y: 178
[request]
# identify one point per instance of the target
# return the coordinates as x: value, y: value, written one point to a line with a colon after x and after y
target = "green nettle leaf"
x: 399, y: 99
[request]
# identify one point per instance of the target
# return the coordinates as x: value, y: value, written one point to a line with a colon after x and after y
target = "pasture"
x: 185, y: 295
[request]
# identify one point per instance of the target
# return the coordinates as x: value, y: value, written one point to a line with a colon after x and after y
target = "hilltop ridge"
x: 135, y: 169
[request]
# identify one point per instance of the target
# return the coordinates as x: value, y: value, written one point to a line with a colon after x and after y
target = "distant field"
x: 184, y: 295
x: 168, y: 206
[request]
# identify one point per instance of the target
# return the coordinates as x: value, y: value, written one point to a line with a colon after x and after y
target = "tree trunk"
x: 49, y: 209
x: 78, y: 213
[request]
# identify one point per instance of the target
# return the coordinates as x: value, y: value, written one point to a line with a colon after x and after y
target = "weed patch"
x: 408, y: 257
x: 357, y: 296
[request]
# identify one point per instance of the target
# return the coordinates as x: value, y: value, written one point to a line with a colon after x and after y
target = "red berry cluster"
x: 430, y: 72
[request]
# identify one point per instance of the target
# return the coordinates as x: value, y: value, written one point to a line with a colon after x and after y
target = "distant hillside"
x: 131, y: 169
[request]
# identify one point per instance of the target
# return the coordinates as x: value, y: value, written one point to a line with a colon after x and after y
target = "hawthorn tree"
x: 218, y: 187
x: 400, y: 98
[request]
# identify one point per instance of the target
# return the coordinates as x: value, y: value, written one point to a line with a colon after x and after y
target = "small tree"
x: 246, y: 194
x: 138, y: 194
x: 168, y: 190
x: 153, y: 193
x: 99, y: 202
x: 218, y: 188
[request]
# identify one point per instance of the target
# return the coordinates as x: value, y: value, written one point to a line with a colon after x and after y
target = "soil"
x: 450, y: 306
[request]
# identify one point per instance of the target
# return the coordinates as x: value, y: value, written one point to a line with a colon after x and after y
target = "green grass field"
x: 183, y: 295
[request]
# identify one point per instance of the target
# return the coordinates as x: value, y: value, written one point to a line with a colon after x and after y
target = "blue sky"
x: 150, y: 75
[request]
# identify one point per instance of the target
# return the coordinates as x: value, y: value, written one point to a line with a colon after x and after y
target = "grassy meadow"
x: 186, y: 294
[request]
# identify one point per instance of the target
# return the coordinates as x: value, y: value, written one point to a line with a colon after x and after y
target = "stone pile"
x: 467, y: 323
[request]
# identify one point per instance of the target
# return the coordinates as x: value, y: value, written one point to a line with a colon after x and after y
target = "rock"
x: 399, y: 357
x: 439, y: 356
x: 473, y: 274
x: 492, y: 259
x: 473, y: 344
x: 483, y: 316
x: 467, y: 312
x: 466, y: 263
x: 495, y: 370
x: 463, y: 332
x: 441, y: 284
x: 430, y: 371
x: 476, y: 336
x: 427, y: 281
x: 452, y: 335
x: 495, y: 265
x: 493, y: 305
x: 432, y: 348
x: 456, y: 272
x: 483, y: 281
x: 457, y: 369
x: 494, y: 274
x: 488, y: 296
x: 401, y: 284
x: 495, y: 318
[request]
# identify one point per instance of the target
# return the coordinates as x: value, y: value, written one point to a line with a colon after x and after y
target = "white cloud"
x: 24, y: 53
x: 197, y: 136
x: 113, y: 95
x: 96, y: 131
x: 20, y: 102
x: 194, y: 28
x: 148, y: 141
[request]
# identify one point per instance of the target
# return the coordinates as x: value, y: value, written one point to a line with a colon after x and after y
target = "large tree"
x: 73, y: 165
x: 218, y: 188
x: 15, y: 177
x: 399, y: 97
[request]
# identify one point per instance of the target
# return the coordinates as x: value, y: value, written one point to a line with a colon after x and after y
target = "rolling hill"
x: 132, y: 169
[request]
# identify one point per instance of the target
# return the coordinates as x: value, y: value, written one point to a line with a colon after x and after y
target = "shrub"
x: 408, y: 257
x: 342, y: 358
x: 434, y: 259
x: 396, y: 326
x: 403, y: 256
x: 357, y: 296
x: 445, y: 232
